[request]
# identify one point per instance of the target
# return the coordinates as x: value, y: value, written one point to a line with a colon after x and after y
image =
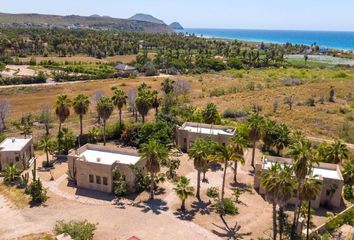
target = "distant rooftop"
x: 208, y: 129
x: 324, y: 170
x: 125, y: 67
x: 108, y: 157
x: 14, y: 144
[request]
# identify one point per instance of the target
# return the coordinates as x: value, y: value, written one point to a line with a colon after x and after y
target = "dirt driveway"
x: 158, y: 219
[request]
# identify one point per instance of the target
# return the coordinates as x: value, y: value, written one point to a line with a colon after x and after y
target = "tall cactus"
x: 25, y: 179
x: 34, y: 169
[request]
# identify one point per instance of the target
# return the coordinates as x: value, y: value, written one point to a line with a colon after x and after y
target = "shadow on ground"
x: 230, y: 233
x: 156, y: 206
x: 202, y: 208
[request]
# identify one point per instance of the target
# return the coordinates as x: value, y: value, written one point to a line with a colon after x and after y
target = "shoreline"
x: 205, y: 33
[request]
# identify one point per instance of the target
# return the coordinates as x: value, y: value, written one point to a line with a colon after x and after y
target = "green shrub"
x: 130, y: 136
x: 78, y: 230
x: 251, y: 86
x: 2, y: 137
x: 120, y: 187
x: 340, y: 75
x: 229, y: 113
x: 159, y: 131
x: 66, y: 140
x: 114, y: 131
x: 310, y: 102
x: 2, y: 66
x: 348, y: 192
x: 46, y: 165
x: 37, y: 192
x: 228, y: 208
x: 212, y: 192
x: 216, y: 92
x: 339, y: 220
x: 291, y: 82
x: 235, y: 63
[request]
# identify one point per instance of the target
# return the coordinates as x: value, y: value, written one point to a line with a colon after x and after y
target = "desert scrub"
x: 230, y: 113
x: 212, y: 192
x: 291, y: 82
x: 228, y: 208
x: 78, y: 230
x: 340, y: 75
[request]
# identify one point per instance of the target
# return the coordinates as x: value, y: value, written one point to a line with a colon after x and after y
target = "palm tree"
x: 153, y: 153
x: 286, y: 189
x: 143, y: 101
x: 282, y: 139
x: 303, y: 161
x: 183, y: 190
x: 11, y: 173
x: 62, y: 108
x: 199, y: 153
x: 143, y: 105
x: 104, y: 109
x: 155, y: 102
x: 269, y: 135
x: 336, y: 152
x: 46, y: 145
x: 81, y: 105
x: 311, y: 188
x: 119, y: 100
x: 238, y: 144
x: 224, y: 154
x: 255, y: 125
x: 270, y: 180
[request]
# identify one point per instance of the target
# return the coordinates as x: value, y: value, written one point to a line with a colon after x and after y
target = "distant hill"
x: 146, y: 18
x: 176, y: 26
x: 74, y: 21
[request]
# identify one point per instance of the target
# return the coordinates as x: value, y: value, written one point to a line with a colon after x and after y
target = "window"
x: 91, y: 178
x: 98, y: 179
x: 185, y: 140
x: 17, y: 159
x: 105, y: 181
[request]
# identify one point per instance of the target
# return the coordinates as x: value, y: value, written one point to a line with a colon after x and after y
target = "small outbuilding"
x: 93, y: 166
x: 329, y: 174
x: 124, y: 69
x: 18, y: 150
x: 189, y: 132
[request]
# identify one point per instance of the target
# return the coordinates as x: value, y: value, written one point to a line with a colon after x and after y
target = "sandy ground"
x: 158, y: 219
x: 18, y: 70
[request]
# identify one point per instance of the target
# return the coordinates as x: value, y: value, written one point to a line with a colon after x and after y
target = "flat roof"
x: 108, y: 157
x: 14, y: 144
x: 319, y: 171
x: 209, y: 129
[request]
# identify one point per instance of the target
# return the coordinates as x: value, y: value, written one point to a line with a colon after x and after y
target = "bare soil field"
x: 86, y: 59
x: 236, y: 90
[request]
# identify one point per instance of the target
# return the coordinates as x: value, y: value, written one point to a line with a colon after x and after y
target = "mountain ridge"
x: 76, y: 21
x: 146, y: 18
x: 176, y: 26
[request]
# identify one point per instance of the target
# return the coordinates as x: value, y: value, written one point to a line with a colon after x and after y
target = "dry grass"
x: 323, y: 120
x: 85, y: 59
x: 37, y: 236
x: 15, y: 195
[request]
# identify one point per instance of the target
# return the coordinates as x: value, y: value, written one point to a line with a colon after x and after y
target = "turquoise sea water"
x: 338, y: 40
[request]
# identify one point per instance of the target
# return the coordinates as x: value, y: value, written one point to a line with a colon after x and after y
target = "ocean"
x: 324, y: 39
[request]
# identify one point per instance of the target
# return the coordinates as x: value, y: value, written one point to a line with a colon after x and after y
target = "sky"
x: 332, y: 15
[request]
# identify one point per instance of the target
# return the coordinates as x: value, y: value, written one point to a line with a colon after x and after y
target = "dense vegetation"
x: 175, y: 51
